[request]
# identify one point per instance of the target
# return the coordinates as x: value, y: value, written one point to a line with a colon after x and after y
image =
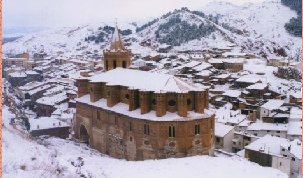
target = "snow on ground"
x: 53, y: 157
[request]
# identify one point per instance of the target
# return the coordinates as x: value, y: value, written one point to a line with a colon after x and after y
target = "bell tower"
x: 116, y: 55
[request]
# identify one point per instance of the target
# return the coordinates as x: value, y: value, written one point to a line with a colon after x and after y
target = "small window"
x: 278, y: 131
x: 130, y: 138
x: 171, y: 102
x: 283, y: 149
x: 280, y: 163
x: 217, y: 139
x: 98, y: 115
x: 106, y: 65
x: 130, y: 126
x: 171, y: 131
x: 255, y: 134
x: 127, y: 96
x: 188, y: 102
x: 115, y: 64
x: 268, y: 131
x: 197, y: 129
x: 293, y: 159
x: 154, y: 101
x: 124, y: 64
x: 146, y: 129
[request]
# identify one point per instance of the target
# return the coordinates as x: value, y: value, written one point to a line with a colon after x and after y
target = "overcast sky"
x: 55, y: 13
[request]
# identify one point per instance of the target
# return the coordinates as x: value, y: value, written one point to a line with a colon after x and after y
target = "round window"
x: 171, y: 102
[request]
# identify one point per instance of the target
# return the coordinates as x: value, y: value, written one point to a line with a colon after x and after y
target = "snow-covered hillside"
x: 262, y: 23
x: 254, y: 28
x: 53, y: 157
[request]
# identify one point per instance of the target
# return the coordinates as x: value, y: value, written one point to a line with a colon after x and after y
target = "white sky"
x: 48, y: 13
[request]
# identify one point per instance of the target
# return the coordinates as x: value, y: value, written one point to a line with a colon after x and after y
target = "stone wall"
x: 135, y: 139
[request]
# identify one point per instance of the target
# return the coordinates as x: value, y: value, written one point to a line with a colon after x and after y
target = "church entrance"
x: 84, y: 137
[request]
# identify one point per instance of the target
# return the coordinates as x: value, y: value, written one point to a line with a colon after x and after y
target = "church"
x: 138, y: 115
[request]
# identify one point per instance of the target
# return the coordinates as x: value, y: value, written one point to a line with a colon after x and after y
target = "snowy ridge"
x: 255, y: 28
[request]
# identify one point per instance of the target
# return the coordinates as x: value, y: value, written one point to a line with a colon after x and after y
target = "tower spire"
x: 116, y: 43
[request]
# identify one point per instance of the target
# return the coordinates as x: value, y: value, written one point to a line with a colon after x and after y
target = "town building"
x: 279, y: 153
x: 224, y: 135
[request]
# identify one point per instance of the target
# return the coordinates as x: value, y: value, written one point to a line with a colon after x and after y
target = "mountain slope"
x: 263, y: 24
x: 252, y: 28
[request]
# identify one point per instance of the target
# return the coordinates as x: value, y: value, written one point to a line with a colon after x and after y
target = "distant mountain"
x: 294, y: 26
x: 253, y: 28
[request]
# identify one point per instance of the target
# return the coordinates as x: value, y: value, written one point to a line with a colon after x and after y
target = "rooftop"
x: 232, y: 93
x: 267, y: 126
x: 295, y: 148
x: 144, y: 81
x: 257, y: 86
x: 268, y: 144
x: 272, y: 104
x: 221, y: 129
x: 46, y: 123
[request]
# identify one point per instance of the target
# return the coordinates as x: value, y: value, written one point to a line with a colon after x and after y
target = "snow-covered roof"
x: 232, y: 93
x: 143, y: 80
x: 294, y: 128
x: 31, y: 72
x: 204, y: 73
x: 46, y: 123
x: 222, y: 76
x: 226, y: 60
x: 52, y: 100
x: 267, y: 126
x: 257, y: 86
x: 248, y: 79
x: 296, y: 94
x: 202, y: 66
x: 234, y: 54
x: 295, y: 147
x: 17, y: 74
x: 123, y: 109
x: 268, y: 145
x: 40, y: 88
x: 221, y: 129
x: 245, y: 123
x: 272, y: 104
x: 295, y: 113
x: 191, y: 64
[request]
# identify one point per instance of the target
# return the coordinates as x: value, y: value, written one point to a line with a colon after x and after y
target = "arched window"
x: 154, y: 101
x: 171, y: 131
x: 146, y: 129
x: 114, y: 64
x: 197, y: 129
x: 124, y: 64
x: 98, y: 115
x: 188, y: 101
x: 130, y: 126
x: 106, y: 65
